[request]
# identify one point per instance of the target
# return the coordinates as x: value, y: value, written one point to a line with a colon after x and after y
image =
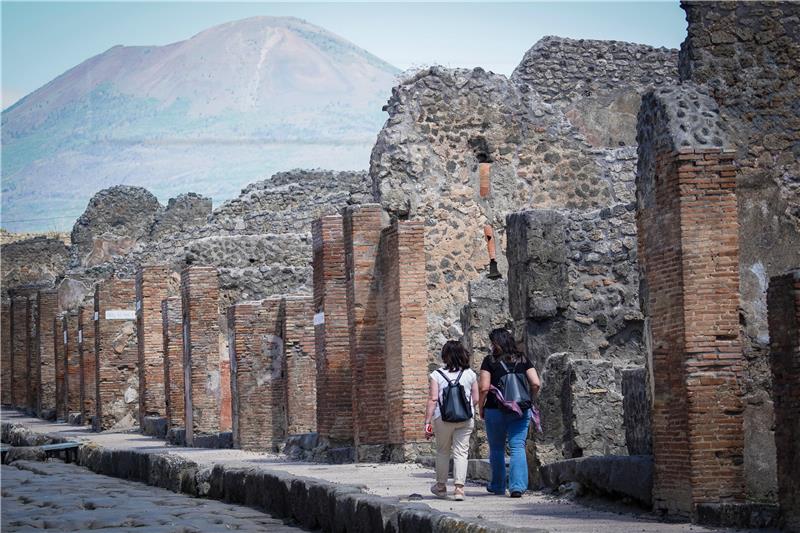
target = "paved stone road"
x: 64, y: 497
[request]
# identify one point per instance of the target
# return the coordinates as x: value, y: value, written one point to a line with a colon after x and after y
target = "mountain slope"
x: 212, y: 113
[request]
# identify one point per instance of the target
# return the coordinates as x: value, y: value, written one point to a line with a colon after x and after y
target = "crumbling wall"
x: 447, y: 127
x: 36, y: 262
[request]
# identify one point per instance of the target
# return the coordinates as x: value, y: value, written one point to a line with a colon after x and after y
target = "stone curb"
x: 313, y: 503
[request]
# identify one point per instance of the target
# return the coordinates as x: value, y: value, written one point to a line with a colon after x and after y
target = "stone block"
x: 116, y: 355
x: 636, y: 411
x: 617, y: 476
x: 154, y: 426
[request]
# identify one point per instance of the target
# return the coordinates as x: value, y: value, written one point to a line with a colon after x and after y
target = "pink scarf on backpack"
x: 515, y: 408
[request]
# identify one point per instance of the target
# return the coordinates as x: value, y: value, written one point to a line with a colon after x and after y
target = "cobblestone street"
x: 64, y: 497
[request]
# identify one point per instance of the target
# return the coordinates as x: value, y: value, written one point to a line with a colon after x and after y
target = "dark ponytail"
x: 504, y: 348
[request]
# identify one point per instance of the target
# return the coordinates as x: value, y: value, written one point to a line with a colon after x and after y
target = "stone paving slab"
x: 392, y: 482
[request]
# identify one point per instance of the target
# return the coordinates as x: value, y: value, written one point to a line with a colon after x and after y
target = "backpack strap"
x: 458, y: 378
x: 505, y: 367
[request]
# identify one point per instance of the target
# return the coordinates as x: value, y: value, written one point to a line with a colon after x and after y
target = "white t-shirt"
x: 467, y: 379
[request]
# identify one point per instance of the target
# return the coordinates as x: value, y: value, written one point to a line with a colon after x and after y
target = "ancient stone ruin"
x: 645, y: 208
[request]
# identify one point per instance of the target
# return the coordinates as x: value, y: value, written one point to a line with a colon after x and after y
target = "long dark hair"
x: 454, y: 356
x: 504, y: 347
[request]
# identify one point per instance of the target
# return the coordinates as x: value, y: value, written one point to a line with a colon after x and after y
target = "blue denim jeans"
x: 502, y: 427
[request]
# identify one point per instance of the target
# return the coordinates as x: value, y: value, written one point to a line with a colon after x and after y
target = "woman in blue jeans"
x: 505, y: 422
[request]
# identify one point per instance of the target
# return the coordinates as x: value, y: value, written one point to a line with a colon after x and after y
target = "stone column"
x: 48, y: 309
x: 783, y: 308
x: 32, y: 354
x: 152, y: 287
x: 172, y: 316
x: 60, y: 366
x: 88, y: 362
x: 73, y: 358
x: 19, y: 351
x: 362, y: 234
x: 5, y: 353
x: 201, y: 358
x: 334, y: 382
x: 405, y: 297
x: 301, y: 366
x: 255, y: 340
x: 688, y: 256
x: 116, y: 353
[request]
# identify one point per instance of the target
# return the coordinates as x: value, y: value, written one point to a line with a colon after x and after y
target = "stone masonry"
x: 172, y: 330
x: 404, y: 294
x: 301, y: 366
x: 152, y: 287
x: 60, y: 367
x: 255, y: 331
x: 116, y: 353
x: 5, y: 352
x: 201, y: 358
x: 334, y: 379
x: 88, y: 362
x: 48, y: 308
x: 73, y: 358
x: 19, y: 350
x: 784, y: 331
x: 688, y: 242
x: 362, y: 234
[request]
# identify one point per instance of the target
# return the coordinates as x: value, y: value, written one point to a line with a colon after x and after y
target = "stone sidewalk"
x: 118, y: 454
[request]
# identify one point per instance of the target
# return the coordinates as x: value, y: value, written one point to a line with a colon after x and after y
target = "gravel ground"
x: 64, y: 497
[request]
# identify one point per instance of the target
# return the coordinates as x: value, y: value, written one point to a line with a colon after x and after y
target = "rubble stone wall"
x: 37, y: 262
x: 116, y: 354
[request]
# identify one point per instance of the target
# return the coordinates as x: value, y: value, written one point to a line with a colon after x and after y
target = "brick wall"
x: 48, y: 308
x: 32, y: 351
x: 362, y: 233
x: 172, y: 317
x: 200, y: 308
x: 5, y: 353
x: 783, y: 308
x: 60, y: 366
x: 73, y: 357
x: 116, y: 353
x: 255, y: 333
x: 88, y: 361
x: 404, y: 293
x: 225, y: 395
x: 301, y: 365
x: 152, y: 286
x: 19, y: 351
x: 688, y: 254
x: 332, y: 336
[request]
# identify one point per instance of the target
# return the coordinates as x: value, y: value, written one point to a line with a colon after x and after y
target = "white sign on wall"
x: 65, y: 337
x: 319, y: 319
x: 138, y: 305
x: 80, y: 336
x: 96, y: 316
x: 120, y: 314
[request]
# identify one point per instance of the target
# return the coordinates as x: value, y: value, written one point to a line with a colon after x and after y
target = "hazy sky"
x: 41, y: 40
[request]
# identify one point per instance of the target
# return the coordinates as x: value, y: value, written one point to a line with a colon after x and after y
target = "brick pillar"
x: 301, y: 365
x: 332, y: 337
x: 48, y: 309
x: 60, y: 366
x: 406, y: 348
x: 688, y: 256
x: 32, y: 355
x: 5, y: 353
x: 19, y: 351
x: 362, y: 235
x: 116, y: 354
x: 88, y: 362
x: 783, y: 308
x: 255, y: 340
x: 200, y: 307
x: 152, y: 287
x: 225, y: 394
x: 73, y: 358
x: 172, y: 319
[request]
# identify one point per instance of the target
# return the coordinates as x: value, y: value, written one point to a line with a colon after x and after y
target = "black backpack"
x: 515, y: 388
x: 453, y: 403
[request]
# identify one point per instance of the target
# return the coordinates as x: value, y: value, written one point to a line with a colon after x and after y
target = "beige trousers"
x: 452, y: 436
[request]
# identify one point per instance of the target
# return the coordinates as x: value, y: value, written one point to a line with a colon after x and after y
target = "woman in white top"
x: 451, y: 435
